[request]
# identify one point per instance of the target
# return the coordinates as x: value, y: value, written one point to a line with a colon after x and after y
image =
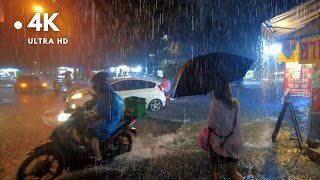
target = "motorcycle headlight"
x: 63, y: 117
x: 76, y: 96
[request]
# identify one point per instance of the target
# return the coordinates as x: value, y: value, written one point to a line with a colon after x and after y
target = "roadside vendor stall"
x: 298, y: 32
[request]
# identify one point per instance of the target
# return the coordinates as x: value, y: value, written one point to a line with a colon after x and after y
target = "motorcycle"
x: 61, y: 152
x: 60, y: 86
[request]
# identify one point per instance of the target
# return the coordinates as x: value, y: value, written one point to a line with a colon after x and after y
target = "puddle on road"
x: 147, y: 147
x: 258, y: 133
x: 5, y: 101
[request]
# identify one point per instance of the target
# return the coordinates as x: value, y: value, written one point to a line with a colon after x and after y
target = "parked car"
x: 25, y: 83
x: 151, y: 90
x: 7, y: 81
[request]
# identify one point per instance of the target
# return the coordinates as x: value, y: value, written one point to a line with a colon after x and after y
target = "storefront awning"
x: 285, y: 25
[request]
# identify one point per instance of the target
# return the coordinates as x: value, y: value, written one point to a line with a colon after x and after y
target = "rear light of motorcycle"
x: 161, y: 88
x: 133, y: 122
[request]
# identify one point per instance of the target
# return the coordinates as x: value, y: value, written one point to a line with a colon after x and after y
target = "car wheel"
x: 155, y: 105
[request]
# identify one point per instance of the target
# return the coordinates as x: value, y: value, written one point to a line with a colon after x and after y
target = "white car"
x: 151, y: 90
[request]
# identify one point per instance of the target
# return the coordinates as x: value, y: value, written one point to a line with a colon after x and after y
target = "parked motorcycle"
x: 61, y: 152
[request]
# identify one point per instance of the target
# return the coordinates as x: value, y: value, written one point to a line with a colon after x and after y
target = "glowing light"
x: 73, y: 106
x: 139, y: 68
x: 38, y: 9
x: 63, y: 117
x: 112, y: 69
x: 23, y: 85
x: 44, y: 84
x: 273, y: 49
x: 123, y: 67
x: 136, y: 69
x: 76, y: 96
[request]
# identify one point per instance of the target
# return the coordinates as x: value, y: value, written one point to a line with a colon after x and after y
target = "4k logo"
x: 36, y: 22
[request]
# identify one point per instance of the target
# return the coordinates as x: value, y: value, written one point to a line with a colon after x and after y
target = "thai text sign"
x: 309, y: 51
x: 294, y: 55
x: 297, y: 79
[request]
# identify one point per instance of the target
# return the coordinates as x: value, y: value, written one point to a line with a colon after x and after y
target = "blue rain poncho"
x: 110, y: 109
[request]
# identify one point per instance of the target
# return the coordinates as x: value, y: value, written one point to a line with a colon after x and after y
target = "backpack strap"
x: 227, y: 136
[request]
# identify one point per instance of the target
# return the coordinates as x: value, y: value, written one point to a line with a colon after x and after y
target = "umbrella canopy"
x: 204, y: 74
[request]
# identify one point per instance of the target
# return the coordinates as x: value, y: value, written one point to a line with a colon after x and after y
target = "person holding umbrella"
x: 212, y: 73
x: 225, y: 139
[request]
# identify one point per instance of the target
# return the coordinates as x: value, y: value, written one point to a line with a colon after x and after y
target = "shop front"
x: 298, y: 32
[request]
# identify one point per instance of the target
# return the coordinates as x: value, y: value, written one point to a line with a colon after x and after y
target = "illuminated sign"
x: 294, y: 56
x: 309, y: 51
x: 297, y: 79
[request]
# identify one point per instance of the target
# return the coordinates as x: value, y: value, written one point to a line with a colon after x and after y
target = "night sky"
x: 127, y: 31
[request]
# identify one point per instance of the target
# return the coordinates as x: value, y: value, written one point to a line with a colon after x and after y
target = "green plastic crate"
x: 136, y: 105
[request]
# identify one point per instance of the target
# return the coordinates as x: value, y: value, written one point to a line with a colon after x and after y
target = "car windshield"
x: 28, y: 78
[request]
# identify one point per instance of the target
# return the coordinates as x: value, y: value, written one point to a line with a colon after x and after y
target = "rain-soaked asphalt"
x: 21, y: 126
x: 163, y: 149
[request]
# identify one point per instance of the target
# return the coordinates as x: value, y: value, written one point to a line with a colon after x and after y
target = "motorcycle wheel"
x: 121, y: 144
x: 124, y: 142
x: 40, y: 166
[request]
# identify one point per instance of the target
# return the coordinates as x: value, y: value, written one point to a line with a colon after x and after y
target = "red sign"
x: 297, y: 79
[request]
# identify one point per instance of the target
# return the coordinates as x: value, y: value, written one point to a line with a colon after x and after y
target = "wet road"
x: 163, y: 148
x: 26, y: 121
x: 21, y: 126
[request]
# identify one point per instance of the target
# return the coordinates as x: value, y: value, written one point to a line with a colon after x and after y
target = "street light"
x: 273, y: 49
x: 38, y: 9
x: 36, y: 67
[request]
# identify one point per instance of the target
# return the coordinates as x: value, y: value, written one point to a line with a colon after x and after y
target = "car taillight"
x: 161, y: 88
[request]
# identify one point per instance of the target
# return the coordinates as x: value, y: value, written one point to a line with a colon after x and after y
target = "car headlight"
x: 44, y: 84
x: 76, y: 96
x: 73, y: 106
x: 23, y: 85
x: 63, y: 117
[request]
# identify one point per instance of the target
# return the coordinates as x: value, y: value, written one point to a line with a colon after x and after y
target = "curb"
x: 174, y: 120
x: 314, y: 154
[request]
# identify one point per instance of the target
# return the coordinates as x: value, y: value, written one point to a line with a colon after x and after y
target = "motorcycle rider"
x: 67, y: 78
x: 109, y: 111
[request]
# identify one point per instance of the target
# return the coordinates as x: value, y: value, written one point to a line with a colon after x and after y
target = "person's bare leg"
x: 96, y: 149
x: 76, y: 135
x: 214, y: 171
x: 232, y: 172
